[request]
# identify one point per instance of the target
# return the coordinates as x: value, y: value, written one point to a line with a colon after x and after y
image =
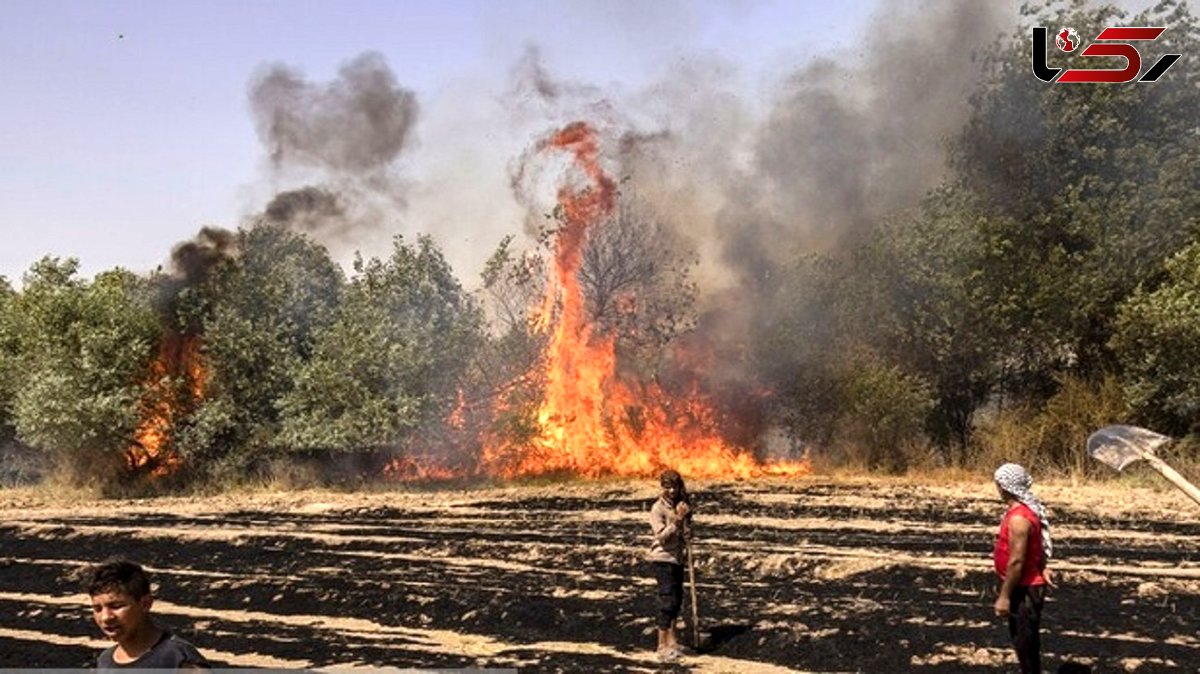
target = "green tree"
x: 798, y: 348
x: 1088, y: 189
x: 1062, y: 200
x: 919, y: 300
x: 391, y: 362
x: 9, y: 370
x: 841, y: 337
x: 84, y: 351
x: 1158, y: 343
x: 260, y: 312
x: 886, y: 410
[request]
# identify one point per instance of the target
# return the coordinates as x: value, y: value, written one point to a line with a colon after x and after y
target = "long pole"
x: 1175, y: 478
x: 692, y: 585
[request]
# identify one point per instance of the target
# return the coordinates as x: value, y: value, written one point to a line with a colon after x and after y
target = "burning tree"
x: 257, y: 313
x: 634, y: 280
x: 593, y: 420
x: 176, y: 382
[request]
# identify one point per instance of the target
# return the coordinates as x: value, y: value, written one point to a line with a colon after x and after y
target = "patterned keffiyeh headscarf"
x: 1015, y: 480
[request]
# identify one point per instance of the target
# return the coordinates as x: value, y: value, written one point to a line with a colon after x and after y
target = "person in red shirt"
x: 1023, y: 547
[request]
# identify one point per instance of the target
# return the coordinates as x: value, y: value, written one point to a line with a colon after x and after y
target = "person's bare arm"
x: 1018, y: 546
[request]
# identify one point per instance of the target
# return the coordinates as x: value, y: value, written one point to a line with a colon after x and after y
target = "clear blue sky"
x: 125, y: 126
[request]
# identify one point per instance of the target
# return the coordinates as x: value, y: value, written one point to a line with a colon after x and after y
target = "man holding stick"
x: 1022, y: 549
x: 670, y: 524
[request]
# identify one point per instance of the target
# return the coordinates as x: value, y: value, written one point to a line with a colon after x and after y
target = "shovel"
x: 1119, y: 446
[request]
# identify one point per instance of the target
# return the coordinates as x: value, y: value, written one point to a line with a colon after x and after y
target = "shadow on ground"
x: 384, y: 586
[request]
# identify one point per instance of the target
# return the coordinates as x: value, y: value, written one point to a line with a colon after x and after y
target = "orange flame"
x: 178, y: 356
x: 592, y: 422
x: 413, y: 469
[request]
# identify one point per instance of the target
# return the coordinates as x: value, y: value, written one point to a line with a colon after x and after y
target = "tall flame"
x: 178, y: 356
x: 593, y: 422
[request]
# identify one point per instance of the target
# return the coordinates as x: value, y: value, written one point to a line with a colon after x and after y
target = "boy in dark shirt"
x: 121, y: 600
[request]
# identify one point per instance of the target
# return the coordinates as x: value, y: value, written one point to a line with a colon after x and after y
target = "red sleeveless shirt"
x: 1035, y: 557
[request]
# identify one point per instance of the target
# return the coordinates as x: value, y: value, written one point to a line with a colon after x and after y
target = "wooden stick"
x: 692, y: 584
x: 1169, y: 473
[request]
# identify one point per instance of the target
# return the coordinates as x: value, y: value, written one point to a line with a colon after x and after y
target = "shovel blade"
x: 1119, y: 446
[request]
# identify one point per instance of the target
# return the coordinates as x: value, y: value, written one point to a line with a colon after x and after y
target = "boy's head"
x: 121, y: 599
x: 117, y: 576
x: 672, y: 484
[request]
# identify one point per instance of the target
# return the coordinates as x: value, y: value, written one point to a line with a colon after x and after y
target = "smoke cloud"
x: 193, y: 261
x: 748, y: 183
x: 192, y: 264
x: 341, y: 140
x: 310, y: 209
x: 844, y: 143
x: 356, y: 125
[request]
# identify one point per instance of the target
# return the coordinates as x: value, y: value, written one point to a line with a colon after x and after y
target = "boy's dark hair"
x: 670, y: 478
x: 116, y: 575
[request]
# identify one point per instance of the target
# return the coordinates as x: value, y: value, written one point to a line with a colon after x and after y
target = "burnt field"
x: 808, y: 575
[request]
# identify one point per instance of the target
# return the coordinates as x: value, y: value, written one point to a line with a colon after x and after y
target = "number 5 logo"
x: 1120, y: 37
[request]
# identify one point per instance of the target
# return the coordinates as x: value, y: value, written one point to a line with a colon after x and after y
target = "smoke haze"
x: 747, y: 181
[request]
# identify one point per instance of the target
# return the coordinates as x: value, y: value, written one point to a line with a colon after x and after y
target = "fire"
x: 413, y: 469
x: 178, y: 357
x: 592, y: 421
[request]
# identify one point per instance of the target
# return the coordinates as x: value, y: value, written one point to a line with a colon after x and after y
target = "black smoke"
x: 193, y: 264
x: 356, y: 125
x: 338, y: 143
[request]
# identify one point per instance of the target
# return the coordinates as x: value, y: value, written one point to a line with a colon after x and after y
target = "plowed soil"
x: 801, y: 575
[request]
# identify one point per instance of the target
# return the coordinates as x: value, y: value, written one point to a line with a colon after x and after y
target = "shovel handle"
x: 692, y: 585
x: 1175, y: 478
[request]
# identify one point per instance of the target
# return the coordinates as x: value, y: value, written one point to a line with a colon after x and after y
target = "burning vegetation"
x: 860, y: 265
x: 588, y: 414
x: 592, y: 421
x: 178, y: 375
x: 174, y: 386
